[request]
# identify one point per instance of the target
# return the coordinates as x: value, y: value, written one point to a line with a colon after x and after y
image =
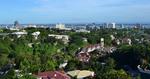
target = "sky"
x: 74, y: 11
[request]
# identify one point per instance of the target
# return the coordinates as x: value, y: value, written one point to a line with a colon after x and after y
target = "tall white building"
x: 113, y: 25
x: 62, y: 27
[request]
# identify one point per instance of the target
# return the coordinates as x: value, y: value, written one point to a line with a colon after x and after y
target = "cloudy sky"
x: 75, y: 11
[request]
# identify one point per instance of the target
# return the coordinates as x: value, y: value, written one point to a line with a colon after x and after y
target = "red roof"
x: 53, y: 75
x: 85, y: 57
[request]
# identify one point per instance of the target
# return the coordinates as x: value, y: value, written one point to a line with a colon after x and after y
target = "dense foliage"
x: 47, y: 53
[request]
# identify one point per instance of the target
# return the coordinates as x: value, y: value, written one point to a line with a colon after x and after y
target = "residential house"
x: 112, y: 37
x: 127, y: 41
x: 52, y: 75
x: 19, y: 34
x: 64, y: 38
x: 36, y: 34
x: 84, y: 55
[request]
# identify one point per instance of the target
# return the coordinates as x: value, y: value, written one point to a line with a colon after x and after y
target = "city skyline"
x: 74, y: 11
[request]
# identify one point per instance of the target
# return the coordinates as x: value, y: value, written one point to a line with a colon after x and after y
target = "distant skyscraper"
x: 138, y: 26
x: 122, y: 26
x: 60, y: 26
x: 93, y: 25
x: 105, y: 25
x: 88, y: 27
x: 16, y: 24
x: 113, y: 25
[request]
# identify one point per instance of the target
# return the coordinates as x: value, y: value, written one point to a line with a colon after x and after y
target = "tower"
x: 16, y: 24
x: 113, y: 25
x: 102, y: 42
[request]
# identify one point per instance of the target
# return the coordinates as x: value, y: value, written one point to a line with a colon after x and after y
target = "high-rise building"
x: 60, y: 26
x: 139, y: 26
x: 105, y: 25
x: 113, y: 25
x: 16, y: 24
x: 122, y: 26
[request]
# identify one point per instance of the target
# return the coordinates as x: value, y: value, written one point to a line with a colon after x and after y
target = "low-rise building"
x: 31, y: 26
x: 19, y: 34
x: 85, y: 39
x: 112, y: 37
x: 127, y: 41
x: 52, y: 75
x: 36, y: 34
x: 64, y: 38
x: 84, y: 55
x: 83, y: 30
